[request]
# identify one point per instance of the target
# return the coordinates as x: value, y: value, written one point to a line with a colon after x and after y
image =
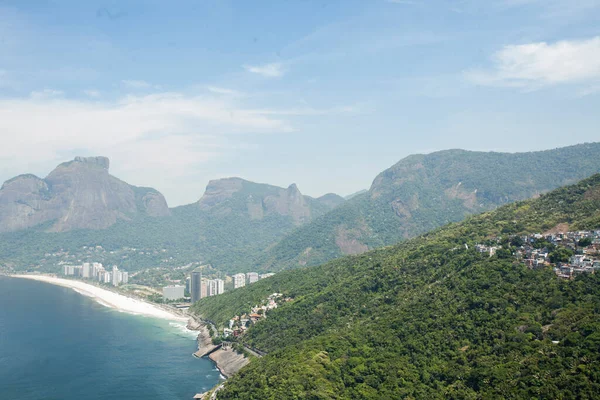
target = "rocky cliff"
x: 80, y: 194
x: 256, y: 200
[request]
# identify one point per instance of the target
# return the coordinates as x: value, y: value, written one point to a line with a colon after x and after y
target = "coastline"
x: 108, y: 298
x: 227, y: 361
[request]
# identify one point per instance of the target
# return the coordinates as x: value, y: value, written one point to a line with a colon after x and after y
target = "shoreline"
x: 135, y: 306
x: 227, y: 361
x: 108, y: 298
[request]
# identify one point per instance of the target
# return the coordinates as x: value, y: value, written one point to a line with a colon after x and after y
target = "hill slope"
x: 423, y: 192
x: 429, y: 318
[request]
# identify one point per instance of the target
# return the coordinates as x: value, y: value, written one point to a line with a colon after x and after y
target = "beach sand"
x: 108, y: 298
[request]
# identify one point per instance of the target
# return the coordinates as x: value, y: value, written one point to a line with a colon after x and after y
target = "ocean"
x: 58, y: 344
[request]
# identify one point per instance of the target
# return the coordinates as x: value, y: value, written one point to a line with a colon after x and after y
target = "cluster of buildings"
x: 240, y: 323
x: 200, y: 287
x: 568, y: 253
x: 240, y: 280
x: 95, y: 271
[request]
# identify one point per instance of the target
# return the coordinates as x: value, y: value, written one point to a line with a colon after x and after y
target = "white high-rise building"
x: 86, y: 271
x: 100, y: 274
x: 124, y: 277
x: 215, y: 287
x: 239, y: 280
x: 107, y: 277
x: 96, y: 268
x: 220, y: 286
x: 115, y: 276
x: 252, y: 277
x: 212, y: 287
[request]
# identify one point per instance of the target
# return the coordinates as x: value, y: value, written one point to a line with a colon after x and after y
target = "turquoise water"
x: 57, y: 344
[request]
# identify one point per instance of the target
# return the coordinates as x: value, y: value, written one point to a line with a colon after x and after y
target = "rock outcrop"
x: 79, y: 194
x: 228, y: 361
x: 256, y: 200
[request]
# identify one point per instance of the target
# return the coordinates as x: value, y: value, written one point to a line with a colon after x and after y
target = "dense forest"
x: 430, y: 317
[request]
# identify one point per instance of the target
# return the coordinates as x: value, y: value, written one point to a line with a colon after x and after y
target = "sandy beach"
x: 109, y: 298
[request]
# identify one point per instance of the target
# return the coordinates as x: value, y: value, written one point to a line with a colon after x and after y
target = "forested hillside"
x: 424, y: 192
x: 430, y: 317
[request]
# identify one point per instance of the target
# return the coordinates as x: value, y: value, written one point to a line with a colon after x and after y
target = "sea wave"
x: 183, y: 330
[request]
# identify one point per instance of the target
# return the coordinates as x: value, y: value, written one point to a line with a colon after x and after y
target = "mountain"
x: 79, y: 194
x: 257, y: 201
x: 355, y: 194
x: 236, y: 220
x: 424, y: 191
x: 431, y: 317
x: 79, y: 205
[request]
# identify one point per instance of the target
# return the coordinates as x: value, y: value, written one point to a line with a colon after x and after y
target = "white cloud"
x: 157, y: 140
x: 588, y: 91
x: 224, y: 91
x: 554, y: 8
x: 138, y: 84
x: 536, y: 65
x: 306, y: 111
x: 406, y: 2
x: 92, y: 93
x: 273, y: 70
x: 46, y: 94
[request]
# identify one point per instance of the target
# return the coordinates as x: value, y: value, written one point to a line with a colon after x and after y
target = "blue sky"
x: 325, y: 94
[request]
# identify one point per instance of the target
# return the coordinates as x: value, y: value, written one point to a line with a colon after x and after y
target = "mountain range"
x: 79, y: 204
x: 239, y: 225
x: 425, y: 191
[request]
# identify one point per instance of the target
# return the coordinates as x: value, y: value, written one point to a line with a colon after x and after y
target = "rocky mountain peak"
x: 102, y: 162
x: 79, y: 194
x: 219, y: 190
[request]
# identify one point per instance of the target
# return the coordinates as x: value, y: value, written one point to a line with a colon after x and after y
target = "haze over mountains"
x: 239, y: 225
x: 81, y: 194
x: 80, y: 204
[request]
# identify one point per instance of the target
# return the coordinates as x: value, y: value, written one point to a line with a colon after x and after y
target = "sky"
x: 322, y: 93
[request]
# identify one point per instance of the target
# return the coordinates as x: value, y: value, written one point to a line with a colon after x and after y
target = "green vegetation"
x: 429, y: 318
x: 424, y: 192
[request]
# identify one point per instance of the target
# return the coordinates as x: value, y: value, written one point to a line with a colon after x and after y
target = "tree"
x: 561, y: 254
